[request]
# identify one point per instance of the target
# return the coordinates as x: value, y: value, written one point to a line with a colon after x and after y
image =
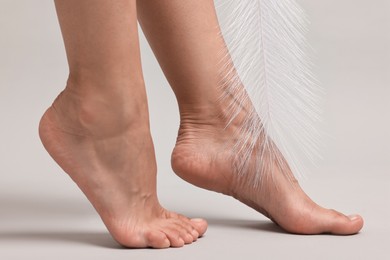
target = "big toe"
x: 318, y: 220
x: 332, y: 222
x: 340, y: 224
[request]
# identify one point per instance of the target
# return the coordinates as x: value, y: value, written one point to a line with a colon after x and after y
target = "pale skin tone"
x: 98, y: 131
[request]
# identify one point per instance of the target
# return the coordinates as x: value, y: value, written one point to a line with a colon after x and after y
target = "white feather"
x: 267, y: 66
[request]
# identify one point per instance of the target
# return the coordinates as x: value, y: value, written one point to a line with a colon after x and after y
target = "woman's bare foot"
x: 203, y: 158
x: 191, y: 61
x: 109, y: 153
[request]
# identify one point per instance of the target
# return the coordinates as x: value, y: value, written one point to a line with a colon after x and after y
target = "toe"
x: 314, y: 219
x: 329, y: 221
x: 174, y: 236
x: 200, y: 225
x: 184, y: 230
x: 157, y: 239
x: 191, y: 233
x: 188, y: 226
x: 188, y: 239
x: 340, y: 224
x: 196, y: 227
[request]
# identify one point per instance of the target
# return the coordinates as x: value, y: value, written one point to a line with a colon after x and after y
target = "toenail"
x: 353, y: 217
x: 197, y: 220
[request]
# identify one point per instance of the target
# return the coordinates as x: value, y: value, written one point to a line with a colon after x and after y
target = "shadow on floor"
x: 103, y: 239
x: 261, y: 225
x: 99, y: 239
x: 37, y: 208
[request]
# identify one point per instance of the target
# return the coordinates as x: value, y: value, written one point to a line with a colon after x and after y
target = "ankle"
x: 218, y: 115
x: 88, y: 109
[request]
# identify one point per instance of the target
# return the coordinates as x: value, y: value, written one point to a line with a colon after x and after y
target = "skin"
x: 183, y: 35
x: 98, y: 129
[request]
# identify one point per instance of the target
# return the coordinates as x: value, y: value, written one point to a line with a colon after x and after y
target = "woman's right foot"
x: 109, y: 154
x: 204, y: 157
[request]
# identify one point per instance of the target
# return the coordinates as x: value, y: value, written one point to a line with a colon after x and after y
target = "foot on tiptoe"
x: 110, y: 156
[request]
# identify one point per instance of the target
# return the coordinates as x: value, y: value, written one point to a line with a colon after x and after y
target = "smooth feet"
x: 203, y: 157
x: 111, y: 159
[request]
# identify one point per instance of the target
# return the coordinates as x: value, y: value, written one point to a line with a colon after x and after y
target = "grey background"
x: 44, y: 216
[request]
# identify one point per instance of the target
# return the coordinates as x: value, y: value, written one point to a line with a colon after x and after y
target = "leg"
x: 183, y: 34
x: 97, y: 129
